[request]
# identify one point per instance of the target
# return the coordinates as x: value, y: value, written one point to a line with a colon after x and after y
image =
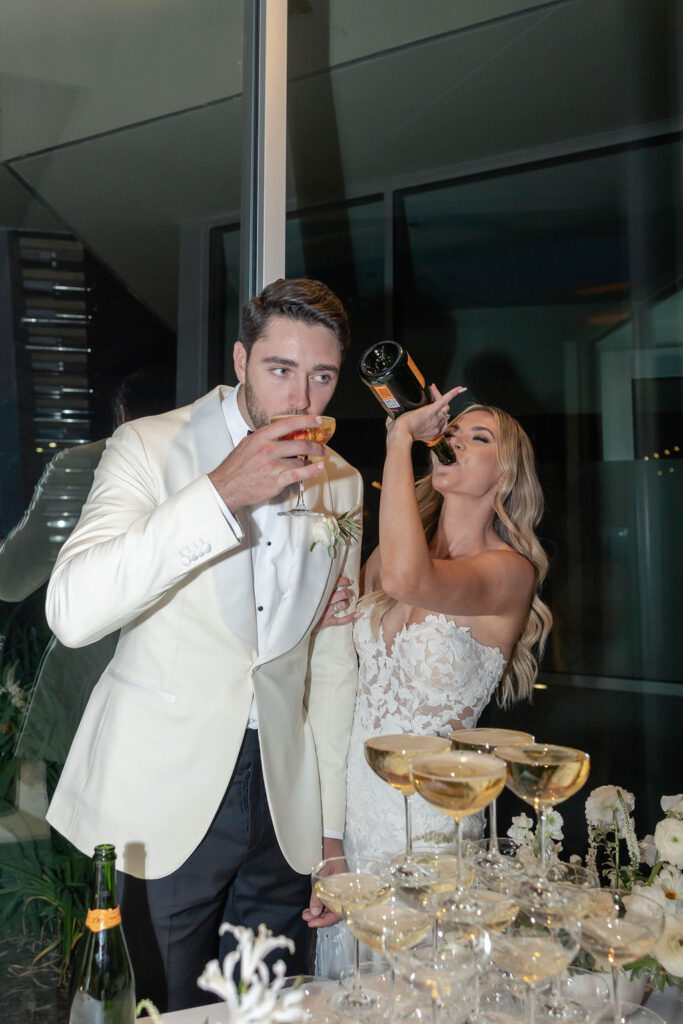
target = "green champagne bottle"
x: 398, y: 385
x: 102, y: 984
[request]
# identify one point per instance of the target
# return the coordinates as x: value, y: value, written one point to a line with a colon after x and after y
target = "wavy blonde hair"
x: 517, y: 510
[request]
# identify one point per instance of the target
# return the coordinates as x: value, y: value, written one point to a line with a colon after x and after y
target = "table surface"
x: 669, y: 1006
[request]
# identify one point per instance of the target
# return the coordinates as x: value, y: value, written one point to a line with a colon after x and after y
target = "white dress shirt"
x: 272, y: 552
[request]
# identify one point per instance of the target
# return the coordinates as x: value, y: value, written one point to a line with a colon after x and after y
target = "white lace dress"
x: 436, y: 678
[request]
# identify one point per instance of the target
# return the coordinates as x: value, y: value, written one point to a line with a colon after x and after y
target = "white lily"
x: 256, y: 999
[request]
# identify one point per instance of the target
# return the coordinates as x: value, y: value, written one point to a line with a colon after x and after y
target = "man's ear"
x: 239, y: 358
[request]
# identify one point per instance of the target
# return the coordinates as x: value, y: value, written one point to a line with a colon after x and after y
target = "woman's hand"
x: 341, y: 598
x: 427, y: 422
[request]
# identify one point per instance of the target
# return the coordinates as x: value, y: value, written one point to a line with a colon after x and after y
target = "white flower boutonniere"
x: 327, y: 529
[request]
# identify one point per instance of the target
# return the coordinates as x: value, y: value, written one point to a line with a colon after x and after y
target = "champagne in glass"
x: 618, y: 927
x: 495, y: 911
x: 543, y: 775
x: 533, y: 954
x: 389, y: 925
x: 485, y: 741
x: 345, y: 885
x: 319, y: 434
x: 351, y: 889
x: 390, y: 758
x: 459, y: 783
x: 447, y: 968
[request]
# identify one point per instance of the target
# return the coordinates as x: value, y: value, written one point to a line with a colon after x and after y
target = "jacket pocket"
x: 142, y: 687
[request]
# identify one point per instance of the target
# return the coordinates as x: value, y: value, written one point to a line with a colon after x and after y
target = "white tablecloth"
x: 669, y: 1006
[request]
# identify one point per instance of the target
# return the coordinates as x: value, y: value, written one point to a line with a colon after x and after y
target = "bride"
x: 450, y: 612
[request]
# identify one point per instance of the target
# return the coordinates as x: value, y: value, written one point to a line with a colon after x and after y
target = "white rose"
x: 646, y: 901
x: 669, y: 840
x: 673, y: 803
x: 325, y: 531
x: 648, y: 851
x: 603, y: 803
x: 669, y: 948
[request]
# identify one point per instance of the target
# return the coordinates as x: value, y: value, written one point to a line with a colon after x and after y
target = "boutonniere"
x: 327, y: 529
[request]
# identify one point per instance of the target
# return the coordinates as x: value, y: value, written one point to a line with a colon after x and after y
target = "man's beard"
x: 257, y: 415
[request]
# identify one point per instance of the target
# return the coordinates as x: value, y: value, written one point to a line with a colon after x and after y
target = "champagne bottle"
x: 102, y: 984
x: 398, y: 386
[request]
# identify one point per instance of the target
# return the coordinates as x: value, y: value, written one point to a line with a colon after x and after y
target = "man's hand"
x: 317, y: 915
x: 340, y: 599
x: 263, y: 464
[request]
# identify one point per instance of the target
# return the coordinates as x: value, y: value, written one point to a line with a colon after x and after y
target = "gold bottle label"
x: 415, y: 370
x: 385, y: 395
x: 100, y: 920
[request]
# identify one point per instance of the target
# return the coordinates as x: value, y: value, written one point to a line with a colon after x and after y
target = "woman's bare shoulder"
x: 508, y: 563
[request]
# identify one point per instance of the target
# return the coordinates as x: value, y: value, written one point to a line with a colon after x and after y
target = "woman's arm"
x: 488, y: 583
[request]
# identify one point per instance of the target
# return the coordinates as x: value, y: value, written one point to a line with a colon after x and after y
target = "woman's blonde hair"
x: 517, y: 508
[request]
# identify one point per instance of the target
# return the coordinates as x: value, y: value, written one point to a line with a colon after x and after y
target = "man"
x: 181, y: 546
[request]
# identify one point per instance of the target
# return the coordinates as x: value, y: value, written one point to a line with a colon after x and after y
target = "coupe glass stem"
x: 493, y: 827
x: 392, y: 990
x: 458, y: 852
x: 356, y: 968
x: 300, y: 503
x: 530, y: 1005
x: 409, y: 824
x: 616, y: 995
x: 541, y: 838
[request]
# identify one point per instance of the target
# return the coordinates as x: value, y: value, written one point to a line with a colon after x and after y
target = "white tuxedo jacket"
x: 154, y: 556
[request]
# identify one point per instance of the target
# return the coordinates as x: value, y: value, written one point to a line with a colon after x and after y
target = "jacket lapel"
x: 232, y: 575
x: 308, y: 578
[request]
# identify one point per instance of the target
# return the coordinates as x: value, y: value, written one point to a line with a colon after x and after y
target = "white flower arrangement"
x: 254, y: 999
x: 527, y: 837
x: 609, y: 817
x: 328, y: 529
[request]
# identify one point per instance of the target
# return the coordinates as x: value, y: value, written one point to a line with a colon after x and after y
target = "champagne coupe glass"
x: 543, y: 775
x: 493, y: 911
x: 444, y: 875
x: 533, y: 953
x: 572, y: 880
x: 345, y: 884
x: 459, y: 783
x: 485, y: 741
x: 386, y: 928
x: 501, y: 873
x: 320, y: 434
x: 444, y: 968
x: 390, y: 758
x: 618, y: 927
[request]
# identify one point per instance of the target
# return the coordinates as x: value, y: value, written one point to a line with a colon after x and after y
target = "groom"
x: 212, y: 751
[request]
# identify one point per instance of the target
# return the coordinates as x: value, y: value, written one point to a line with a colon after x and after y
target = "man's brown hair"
x: 310, y: 302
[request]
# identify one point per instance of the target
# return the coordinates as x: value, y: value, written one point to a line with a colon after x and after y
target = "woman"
x: 451, y: 612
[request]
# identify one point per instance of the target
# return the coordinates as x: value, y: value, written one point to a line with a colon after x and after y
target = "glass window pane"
x: 118, y: 129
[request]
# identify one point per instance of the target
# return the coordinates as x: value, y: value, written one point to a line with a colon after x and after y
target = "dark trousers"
x: 237, y: 874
